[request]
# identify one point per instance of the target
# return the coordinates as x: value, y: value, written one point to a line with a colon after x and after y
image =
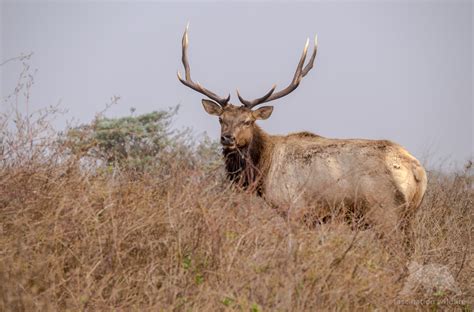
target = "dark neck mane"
x: 245, y: 165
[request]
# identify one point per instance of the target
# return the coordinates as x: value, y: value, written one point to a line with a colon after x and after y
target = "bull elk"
x: 376, y: 179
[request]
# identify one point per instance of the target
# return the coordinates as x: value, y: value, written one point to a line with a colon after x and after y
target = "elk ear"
x: 263, y: 112
x: 211, y: 107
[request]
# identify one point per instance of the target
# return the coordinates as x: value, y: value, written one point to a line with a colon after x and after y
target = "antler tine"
x: 299, y: 74
x: 255, y: 102
x: 308, y: 66
x: 297, y: 77
x: 189, y: 82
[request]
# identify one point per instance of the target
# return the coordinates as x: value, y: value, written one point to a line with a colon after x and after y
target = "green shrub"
x: 129, y: 142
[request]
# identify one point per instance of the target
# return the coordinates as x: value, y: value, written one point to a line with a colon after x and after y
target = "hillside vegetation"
x: 96, y: 227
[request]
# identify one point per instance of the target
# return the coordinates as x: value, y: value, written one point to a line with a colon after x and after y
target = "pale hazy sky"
x: 396, y: 70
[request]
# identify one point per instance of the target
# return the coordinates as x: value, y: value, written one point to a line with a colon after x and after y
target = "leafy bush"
x: 132, y: 141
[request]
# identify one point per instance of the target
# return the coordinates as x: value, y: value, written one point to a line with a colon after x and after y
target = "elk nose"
x: 227, y: 139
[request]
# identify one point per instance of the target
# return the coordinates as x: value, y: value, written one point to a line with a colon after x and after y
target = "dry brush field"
x: 77, y: 234
x: 178, y: 237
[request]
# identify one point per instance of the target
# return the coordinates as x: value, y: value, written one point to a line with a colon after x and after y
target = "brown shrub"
x: 179, y: 237
x: 76, y: 235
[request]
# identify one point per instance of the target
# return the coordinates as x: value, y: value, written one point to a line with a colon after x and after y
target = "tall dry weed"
x: 78, y: 236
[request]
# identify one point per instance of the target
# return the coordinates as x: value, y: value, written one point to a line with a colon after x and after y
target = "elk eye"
x: 220, y: 119
x: 247, y: 123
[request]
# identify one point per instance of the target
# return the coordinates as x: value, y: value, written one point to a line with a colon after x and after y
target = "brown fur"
x: 247, y: 165
x: 304, y: 134
x: 305, y: 174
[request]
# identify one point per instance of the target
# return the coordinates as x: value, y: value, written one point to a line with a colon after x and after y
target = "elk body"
x: 377, y: 180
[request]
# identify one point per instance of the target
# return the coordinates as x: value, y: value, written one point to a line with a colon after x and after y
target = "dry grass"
x: 180, y: 238
x: 76, y: 236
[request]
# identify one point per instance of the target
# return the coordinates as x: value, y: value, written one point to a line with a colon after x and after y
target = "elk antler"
x: 299, y: 74
x: 195, y: 85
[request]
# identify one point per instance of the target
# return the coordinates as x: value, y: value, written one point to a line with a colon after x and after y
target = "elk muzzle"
x: 227, y: 140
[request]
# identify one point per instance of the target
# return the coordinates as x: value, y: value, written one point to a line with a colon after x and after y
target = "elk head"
x: 238, y: 122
